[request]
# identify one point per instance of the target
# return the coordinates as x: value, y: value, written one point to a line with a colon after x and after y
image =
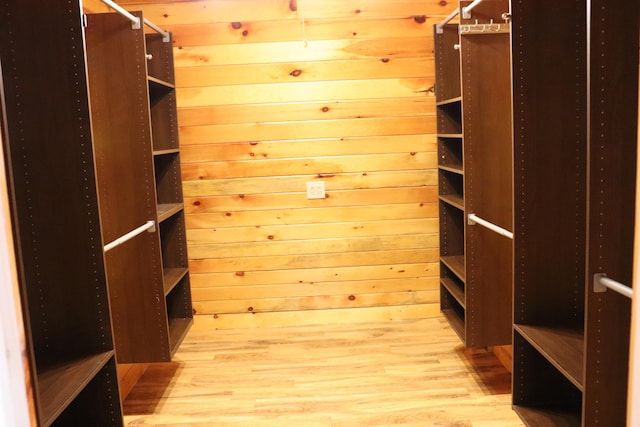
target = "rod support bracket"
x: 598, y: 287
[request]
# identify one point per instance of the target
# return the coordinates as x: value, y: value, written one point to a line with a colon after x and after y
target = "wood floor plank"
x: 400, y: 373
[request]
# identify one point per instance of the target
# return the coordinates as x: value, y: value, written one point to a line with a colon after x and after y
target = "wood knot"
x: 227, y: 214
x: 250, y: 309
x: 194, y: 311
x: 352, y: 297
x: 253, y: 143
x: 166, y: 15
x: 293, y: 5
x: 215, y: 316
x: 442, y: 3
x: 385, y: 60
x: 420, y: 19
x: 295, y: 73
x: 241, y: 196
x: 239, y: 273
x: 413, y: 153
x: 236, y: 25
x: 358, y: 11
x: 325, y: 109
x: 245, y: 33
x: 196, y: 203
x: 270, y: 237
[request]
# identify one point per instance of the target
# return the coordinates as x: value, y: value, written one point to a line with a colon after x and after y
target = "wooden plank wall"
x: 273, y: 94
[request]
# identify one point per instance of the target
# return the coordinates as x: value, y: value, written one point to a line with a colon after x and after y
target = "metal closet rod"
x: 148, y: 226
x: 473, y: 219
x: 601, y: 283
x: 465, y: 14
x: 166, y: 37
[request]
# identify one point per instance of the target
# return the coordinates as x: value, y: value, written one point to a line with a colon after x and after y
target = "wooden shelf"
x: 562, y: 347
x: 452, y: 168
x: 167, y: 210
x: 454, y: 289
x: 449, y: 101
x: 161, y: 84
x: 178, y: 328
x: 166, y: 152
x: 172, y: 277
x: 456, y: 322
x: 453, y: 200
x: 60, y: 385
x: 450, y: 135
x: 455, y: 264
x: 549, y: 417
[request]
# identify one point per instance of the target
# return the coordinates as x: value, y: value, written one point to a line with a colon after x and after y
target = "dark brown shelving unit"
x: 473, y: 102
x: 138, y: 163
x: 48, y: 141
x: 166, y: 158
x: 574, y: 217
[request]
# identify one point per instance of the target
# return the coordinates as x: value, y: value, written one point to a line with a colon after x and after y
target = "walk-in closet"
x: 319, y: 213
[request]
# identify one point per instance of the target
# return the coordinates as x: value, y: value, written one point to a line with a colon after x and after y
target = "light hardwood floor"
x: 412, y: 372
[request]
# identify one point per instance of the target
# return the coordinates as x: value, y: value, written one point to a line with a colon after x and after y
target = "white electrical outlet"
x: 315, y: 190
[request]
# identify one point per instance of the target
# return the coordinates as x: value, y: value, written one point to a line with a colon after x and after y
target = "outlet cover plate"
x: 315, y: 190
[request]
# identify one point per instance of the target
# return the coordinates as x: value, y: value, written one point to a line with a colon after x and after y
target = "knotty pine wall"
x: 262, y: 113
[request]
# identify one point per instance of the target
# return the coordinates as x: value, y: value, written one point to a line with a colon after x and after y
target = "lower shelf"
x: 548, y: 417
x: 179, y: 312
x: 562, y: 347
x: 60, y: 385
x: 178, y: 328
x: 456, y: 322
x: 543, y: 395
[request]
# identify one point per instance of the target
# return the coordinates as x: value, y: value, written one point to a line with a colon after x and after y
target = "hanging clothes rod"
x: 148, y: 226
x: 440, y: 26
x: 166, y: 37
x: 466, y: 11
x: 466, y: 14
x: 601, y: 283
x: 473, y: 219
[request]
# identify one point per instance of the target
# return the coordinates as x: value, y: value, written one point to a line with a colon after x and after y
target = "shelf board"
x: 449, y: 101
x: 454, y: 289
x: 178, y: 328
x: 61, y: 384
x: 172, y: 277
x: 551, y: 417
x: 457, y: 324
x: 165, y: 152
x: 454, y: 200
x: 455, y: 264
x: 160, y: 83
x: 167, y: 210
x: 562, y: 347
x: 452, y: 168
x: 450, y: 135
